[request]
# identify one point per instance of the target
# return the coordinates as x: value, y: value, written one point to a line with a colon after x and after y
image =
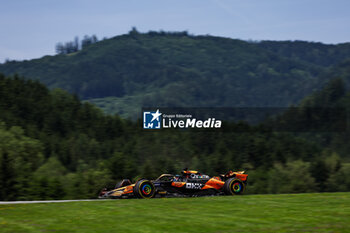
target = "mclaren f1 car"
x: 189, y: 183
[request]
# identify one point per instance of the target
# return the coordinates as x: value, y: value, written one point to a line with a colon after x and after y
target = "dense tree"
x: 20, y: 156
x: 294, y: 177
x: 75, y: 45
x: 54, y: 146
x: 86, y: 41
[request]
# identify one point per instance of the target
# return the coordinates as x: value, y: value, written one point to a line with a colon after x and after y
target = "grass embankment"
x: 328, y: 212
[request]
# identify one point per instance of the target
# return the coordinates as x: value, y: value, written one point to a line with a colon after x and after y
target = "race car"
x: 189, y: 183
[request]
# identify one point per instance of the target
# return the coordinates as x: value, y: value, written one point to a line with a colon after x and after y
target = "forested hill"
x: 126, y: 72
x: 53, y: 146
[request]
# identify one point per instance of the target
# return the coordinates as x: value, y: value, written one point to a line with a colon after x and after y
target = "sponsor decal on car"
x: 194, y: 185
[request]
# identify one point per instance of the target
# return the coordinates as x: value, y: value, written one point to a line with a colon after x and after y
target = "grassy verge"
x: 327, y: 212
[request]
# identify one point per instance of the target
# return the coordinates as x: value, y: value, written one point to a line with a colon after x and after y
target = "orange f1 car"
x: 189, y: 183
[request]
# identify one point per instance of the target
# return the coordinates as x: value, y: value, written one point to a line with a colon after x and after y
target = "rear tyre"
x: 144, y: 189
x: 233, y: 186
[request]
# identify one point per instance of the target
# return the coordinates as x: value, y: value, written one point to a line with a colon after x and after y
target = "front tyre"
x: 144, y: 189
x: 233, y: 186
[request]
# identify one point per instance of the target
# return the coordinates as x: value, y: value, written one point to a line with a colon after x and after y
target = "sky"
x: 31, y: 29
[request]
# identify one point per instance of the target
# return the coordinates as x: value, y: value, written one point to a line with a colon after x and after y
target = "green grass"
x: 328, y: 212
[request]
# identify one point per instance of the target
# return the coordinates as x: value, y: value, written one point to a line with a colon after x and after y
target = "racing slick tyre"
x: 144, y: 189
x: 233, y: 186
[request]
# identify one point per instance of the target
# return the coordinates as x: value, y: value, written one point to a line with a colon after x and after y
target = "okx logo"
x: 152, y: 120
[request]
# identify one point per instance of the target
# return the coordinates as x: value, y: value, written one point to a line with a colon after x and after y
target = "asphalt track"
x: 47, y: 201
